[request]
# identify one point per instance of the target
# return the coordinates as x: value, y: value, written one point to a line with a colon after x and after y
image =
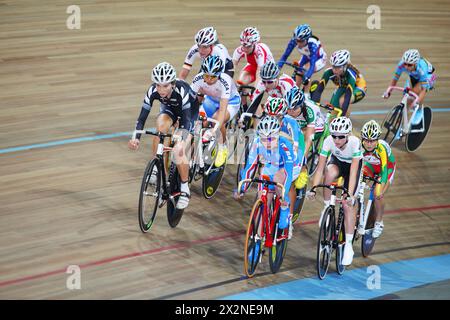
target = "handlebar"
x: 331, y: 187
x: 242, y: 87
x: 267, y: 182
x: 296, y: 67
x: 248, y: 115
x: 153, y: 133
x: 406, y: 90
x: 375, y: 179
x: 329, y: 107
x: 203, y: 117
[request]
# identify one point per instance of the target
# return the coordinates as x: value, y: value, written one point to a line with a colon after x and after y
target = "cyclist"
x: 221, y: 100
x: 277, y: 107
x: 344, y: 151
x: 351, y: 85
x: 310, y: 49
x: 206, y: 44
x: 255, y: 52
x: 275, y: 153
x: 421, y: 75
x: 378, y: 161
x: 308, y: 116
x: 271, y: 82
x: 177, y: 101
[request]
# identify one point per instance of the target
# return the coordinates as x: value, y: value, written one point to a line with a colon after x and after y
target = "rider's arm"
x: 324, y: 154
x: 288, y: 159
x: 145, y: 110
x: 237, y: 56
x: 189, y: 61
x: 398, y: 72
x: 312, y: 60
x: 348, y: 94
x: 356, y: 159
x: 290, y: 46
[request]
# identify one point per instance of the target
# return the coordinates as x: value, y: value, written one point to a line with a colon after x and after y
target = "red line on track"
x: 181, y: 246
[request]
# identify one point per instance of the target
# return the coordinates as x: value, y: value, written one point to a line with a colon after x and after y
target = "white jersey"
x: 224, y: 88
x: 319, y: 118
x: 218, y: 50
x: 285, y: 84
x: 352, y: 149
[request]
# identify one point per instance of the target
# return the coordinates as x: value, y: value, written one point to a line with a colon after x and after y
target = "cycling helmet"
x: 302, y: 32
x: 371, y: 130
x: 411, y: 56
x: 294, y: 98
x: 206, y: 36
x: 269, y: 71
x: 275, y: 106
x: 213, y: 65
x: 163, y: 73
x: 249, y: 36
x: 341, y: 125
x: 268, y: 125
x: 340, y: 58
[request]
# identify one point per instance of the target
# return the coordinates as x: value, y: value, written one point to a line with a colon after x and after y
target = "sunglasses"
x: 369, y: 141
x: 267, y: 139
x: 268, y: 81
x: 208, y: 76
x: 408, y: 64
x: 338, y: 137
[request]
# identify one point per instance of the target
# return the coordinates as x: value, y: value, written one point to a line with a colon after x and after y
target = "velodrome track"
x: 69, y: 185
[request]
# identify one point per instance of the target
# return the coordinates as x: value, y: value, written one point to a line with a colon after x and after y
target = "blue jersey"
x: 290, y: 126
x: 310, y: 54
x: 422, y: 74
x: 280, y: 158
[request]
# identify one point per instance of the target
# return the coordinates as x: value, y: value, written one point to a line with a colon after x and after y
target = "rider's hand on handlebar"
x: 306, y: 81
x: 350, y: 200
x: 133, y: 144
x: 237, y: 195
x: 311, y: 195
x: 295, y: 63
x: 387, y: 94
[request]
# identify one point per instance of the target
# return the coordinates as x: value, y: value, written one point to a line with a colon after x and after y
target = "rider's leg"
x: 182, y: 163
x: 280, y: 177
x: 331, y: 174
x: 163, y: 124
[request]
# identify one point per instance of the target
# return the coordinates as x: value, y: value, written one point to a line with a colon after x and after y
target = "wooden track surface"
x: 76, y: 204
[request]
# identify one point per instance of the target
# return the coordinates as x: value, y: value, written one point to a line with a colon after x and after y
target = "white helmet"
x: 268, y: 125
x: 340, y: 58
x: 163, y: 73
x: 341, y: 125
x: 249, y: 36
x: 411, y: 56
x: 206, y: 36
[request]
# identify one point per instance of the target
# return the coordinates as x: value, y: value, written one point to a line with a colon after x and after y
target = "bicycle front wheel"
x: 367, y: 241
x: 278, y: 250
x: 254, y: 241
x: 149, y: 196
x: 340, y: 244
x: 173, y: 214
x: 324, y: 243
x: 392, y: 123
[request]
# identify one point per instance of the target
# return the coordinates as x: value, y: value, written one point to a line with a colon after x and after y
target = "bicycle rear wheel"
x: 149, y: 196
x: 254, y: 240
x: 173, y: 214
x: 324, y: 243
x: 414, y: 140
x: 392, y: 123
x: 278, y: 249
x: 367, y: 241
x: 313, y: 158
x: 299, y: 201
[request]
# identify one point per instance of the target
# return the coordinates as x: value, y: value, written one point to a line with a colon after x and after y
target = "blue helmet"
x: 302, y: 32
x: 213, y: 65
x: 294, y: 97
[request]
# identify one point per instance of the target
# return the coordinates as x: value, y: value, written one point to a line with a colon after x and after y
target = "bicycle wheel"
x: 149, y: 196
x: 299, y: 201
x: 324, y: 243
x: 173, y: 214
x: 340, y: 243
x: 392, y: 123
x: 367, y: 241
x: 254, y: 240
x: 313, y: 158
x: 414, y: 140
x: 278, y: 249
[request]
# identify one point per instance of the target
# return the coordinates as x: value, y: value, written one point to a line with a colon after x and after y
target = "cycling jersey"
x: 223, y: 88
x: 281, y: 158
x: 424, y: 73
x: 181, y: 103
x: 217, y: 49
x: 285, y: 83
x: 380, y: 161
x: 313, y: 53
x: 260, y: 55
x: 351, y: 150
x: 290, y: 126
x: 311, y: 116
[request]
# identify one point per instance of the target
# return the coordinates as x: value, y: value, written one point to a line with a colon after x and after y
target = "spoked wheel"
x: 367, y: 241
x: 392, y: 123
x: 278, y: 250
x: 149, y: 196
x: 313, y: 158
x: 173, y: 214
x: 324, y: 243
x: 415, y: 139
x: 340, y: 243
x: 254, y: 242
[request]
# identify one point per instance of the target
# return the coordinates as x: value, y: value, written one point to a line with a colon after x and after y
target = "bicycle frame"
x: 268, y: 220
x: 199, y: 131
x: 406, y: 123
x: 364, y: 210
